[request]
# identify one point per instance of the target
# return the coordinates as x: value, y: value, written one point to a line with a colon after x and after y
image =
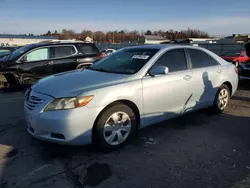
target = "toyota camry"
x: 131, y: 89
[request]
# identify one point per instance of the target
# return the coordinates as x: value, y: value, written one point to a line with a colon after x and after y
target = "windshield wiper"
x: 109, y: 71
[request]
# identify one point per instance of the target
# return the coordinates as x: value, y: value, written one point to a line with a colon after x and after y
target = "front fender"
x: 13, y: 78
x: 131, y: 91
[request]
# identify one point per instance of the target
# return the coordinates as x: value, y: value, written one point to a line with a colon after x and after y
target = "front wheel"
x: 115, y: 127
x: 221, y: 99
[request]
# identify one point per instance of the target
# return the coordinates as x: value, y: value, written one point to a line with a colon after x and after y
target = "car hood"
x: 73, y: 83
x: 229, y: 57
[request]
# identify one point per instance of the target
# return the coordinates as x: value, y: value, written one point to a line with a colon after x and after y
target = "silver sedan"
x: 133, y: 88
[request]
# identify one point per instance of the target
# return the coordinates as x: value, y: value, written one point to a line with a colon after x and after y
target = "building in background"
x: 235, y: 38
x: 152, y: 39
x: 21, y: 40
x: 197, y: 40
x: 88, y: 39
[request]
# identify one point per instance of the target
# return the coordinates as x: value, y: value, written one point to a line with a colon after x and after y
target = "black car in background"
x: 6, y: 50
x: 244, y: 68
x: 29, y: 63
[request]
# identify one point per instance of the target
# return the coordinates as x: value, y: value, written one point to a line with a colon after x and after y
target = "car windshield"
x: 20, y: 51
x: 244, y: 54
x: 234, y: 54
x: 127, y: 61
x: 4, y: 53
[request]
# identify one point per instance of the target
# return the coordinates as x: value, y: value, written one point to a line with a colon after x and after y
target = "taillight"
x: 102, y: 55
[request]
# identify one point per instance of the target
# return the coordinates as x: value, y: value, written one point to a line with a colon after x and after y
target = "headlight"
x: 68, y: 103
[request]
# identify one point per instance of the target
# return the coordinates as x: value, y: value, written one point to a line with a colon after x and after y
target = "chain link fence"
x: 219, y: 49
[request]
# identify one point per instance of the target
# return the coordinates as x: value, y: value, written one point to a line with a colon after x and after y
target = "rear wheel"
x: 221, y: 99
x: 115, y: 127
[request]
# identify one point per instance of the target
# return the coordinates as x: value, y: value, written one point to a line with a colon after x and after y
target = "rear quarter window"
x: 88, y: 49
x: 62, y: 51
x: 201, y: 59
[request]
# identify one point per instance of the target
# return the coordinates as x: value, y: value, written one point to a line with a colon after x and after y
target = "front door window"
x: 167, y: 95
x: 37, y: 55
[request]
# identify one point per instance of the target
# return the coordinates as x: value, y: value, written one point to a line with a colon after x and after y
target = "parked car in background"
x: 128, y: 90
x: 244, y: 68
x: 236, y: 57
x: 247, y: 47
x: 5, y: 51
x: 27, y: 64
x: 108, y: 51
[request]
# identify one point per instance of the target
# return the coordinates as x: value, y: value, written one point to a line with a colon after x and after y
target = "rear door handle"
x: 49, y: 63
x: 219, y: 71
x: 187, y: 77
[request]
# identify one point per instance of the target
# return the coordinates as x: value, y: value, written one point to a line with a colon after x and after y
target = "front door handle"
x: 49, y: 63
x: 187, y: 77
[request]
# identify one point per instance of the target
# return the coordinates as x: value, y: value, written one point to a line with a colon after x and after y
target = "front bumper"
x: 70, y: 127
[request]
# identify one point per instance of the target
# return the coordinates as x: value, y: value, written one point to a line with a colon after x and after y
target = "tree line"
x: 125, y: 35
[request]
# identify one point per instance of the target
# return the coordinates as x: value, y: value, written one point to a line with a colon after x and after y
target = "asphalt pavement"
x: 198, y: 150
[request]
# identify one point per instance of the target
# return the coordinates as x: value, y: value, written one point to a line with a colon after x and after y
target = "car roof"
x: 34, y: 45
x: 163, y: 46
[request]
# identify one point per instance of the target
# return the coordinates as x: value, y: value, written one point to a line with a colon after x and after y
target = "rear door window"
x: 175, y: 60
x: 201, y: 59
x: 88, y: 49
x: 212, y: 61
x: 62, y: 51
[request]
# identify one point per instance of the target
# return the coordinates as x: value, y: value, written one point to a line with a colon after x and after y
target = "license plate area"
x: 30, y: 123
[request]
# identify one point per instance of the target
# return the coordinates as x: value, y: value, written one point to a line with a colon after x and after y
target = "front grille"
x: 32, y: 101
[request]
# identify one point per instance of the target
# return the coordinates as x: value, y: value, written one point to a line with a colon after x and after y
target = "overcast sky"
x: 217, y: 17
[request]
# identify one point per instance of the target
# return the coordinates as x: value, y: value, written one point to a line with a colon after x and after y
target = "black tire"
x: 216, y: 107
x: 10, y: 81
x: 98, y: 133
x: 29, y: 81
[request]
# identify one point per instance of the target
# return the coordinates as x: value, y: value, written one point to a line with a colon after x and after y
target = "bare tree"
x: 125, y: 35
x: 148, y: 32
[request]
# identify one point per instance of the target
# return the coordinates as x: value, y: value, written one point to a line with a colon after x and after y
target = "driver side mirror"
x: 23, y: 59
x: 158, y: 70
